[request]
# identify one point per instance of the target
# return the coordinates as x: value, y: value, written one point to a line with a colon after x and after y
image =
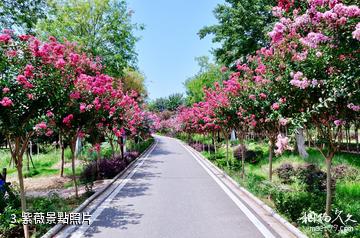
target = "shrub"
x: 294, y: 204
x: 285, y: 172
x: 313, y: 177
x: 9, y: 206
x: 130, y: 156
x: 108, y: 168
x: 197, y: 146
x: 251, y: 156
x: 345, y: 172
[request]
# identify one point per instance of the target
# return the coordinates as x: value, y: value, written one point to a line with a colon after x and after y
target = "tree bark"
x: 243, y: 154
x: 62, y: 148
x: 328, y: 185
x: 271, y: 155
x: 73, y: 158
x: 22, y: 193
x: 300, y: 142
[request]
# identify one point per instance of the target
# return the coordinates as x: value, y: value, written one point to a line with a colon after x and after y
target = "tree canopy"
x: 205, y: 78
x: 241, y: 28
x: 101, y: 27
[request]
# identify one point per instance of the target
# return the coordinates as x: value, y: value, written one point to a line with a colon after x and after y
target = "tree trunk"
x: 328, y: 185
x: 112, y: 148
x: 22, y: 192
x: 214, y: 141
x: 271, y: 155
x: 73, y: 158
x: 62, y: 147
x: 243, y: 154
x: 300, y: 142
x: 121, y: 144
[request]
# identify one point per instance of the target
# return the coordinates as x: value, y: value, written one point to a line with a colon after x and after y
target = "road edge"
x: 57, y: 228
x: 295, y: 231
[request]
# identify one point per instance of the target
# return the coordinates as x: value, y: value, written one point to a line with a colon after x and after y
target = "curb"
x: 57, y: 228
x: 272, y: 212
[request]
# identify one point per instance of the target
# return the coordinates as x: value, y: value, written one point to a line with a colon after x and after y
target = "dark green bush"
x: 285, y: 172
x: 251, y: 156
x: 294, y: 204
x: 313, y: 178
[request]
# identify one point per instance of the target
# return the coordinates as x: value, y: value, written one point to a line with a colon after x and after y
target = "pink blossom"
x: 283, y: 121
x: 339, y: 122
x: 313, y: 39
x: 29, y: 70
x: 356, y: 33
x: 299, y: 80
x: 5, y: 38
x: 263, y: 95
x: 277, y: 34
x: 6, y: 90
x: 6, y: 102
x: 283, y: 100
x: 75, y: 95
x: 67, y: 119
x: 40, y: 126
x: 11, y: 53
x: 354, y: 107
x: 223, y: 69
x: 318, y: 54
x: 252, y: 97
x: 60, y: 63
x: 49, y: 133
x: 49, y: 114
x: 82, y: 107
x: 282, y: 144
x: 30, y: 96
x: 23, y: 81
x: 24, y: 37
x: 275, y: 106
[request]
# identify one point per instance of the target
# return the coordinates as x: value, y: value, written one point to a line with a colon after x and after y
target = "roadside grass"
x: 347, y: 191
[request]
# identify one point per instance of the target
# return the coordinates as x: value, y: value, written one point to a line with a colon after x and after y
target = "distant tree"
x: 102, y: 27
x: 22, y: 15
x: 241, y: 29
x: 207, y: 75
x: 174, y: 101
x: 134, y: 80
x: 170, y: 103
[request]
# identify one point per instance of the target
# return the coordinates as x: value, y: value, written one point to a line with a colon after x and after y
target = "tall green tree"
x: 208, y: 74
x: 241, y: 28
x: 22, y: 15
x: 102, y: 27
x: 170, y: 103
x: 134, y: 80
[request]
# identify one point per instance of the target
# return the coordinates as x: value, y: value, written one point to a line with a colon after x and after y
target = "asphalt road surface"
x: 170, y: 195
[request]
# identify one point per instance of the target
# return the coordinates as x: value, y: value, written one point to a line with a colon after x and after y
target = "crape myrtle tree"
x: 316, y: 44
x: 31, y: 82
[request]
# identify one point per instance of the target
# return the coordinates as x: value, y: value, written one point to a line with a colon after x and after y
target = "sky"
x: 169, y: 43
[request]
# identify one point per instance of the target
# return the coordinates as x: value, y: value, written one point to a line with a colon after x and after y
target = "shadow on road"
x: 120, y: 215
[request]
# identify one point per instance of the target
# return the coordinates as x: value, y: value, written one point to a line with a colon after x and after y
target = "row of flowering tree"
x: 308, y: 76
x: 55, y: 88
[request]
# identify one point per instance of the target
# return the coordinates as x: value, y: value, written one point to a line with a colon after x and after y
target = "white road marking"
x: 105, y: 204
x: 265, y: 231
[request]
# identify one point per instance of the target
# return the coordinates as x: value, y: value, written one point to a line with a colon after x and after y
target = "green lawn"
x: 347, y: 192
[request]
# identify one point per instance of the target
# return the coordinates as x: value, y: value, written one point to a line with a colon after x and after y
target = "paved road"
x: 171, y: 196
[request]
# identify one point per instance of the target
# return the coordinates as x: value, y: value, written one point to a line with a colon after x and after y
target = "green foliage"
x: 241, y: 29
x: 206, y: 77
x: 294, y: 204
x: 134, y: 80
x: 102, y: 27
x: 170, y: 103
x: 21, y: 15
